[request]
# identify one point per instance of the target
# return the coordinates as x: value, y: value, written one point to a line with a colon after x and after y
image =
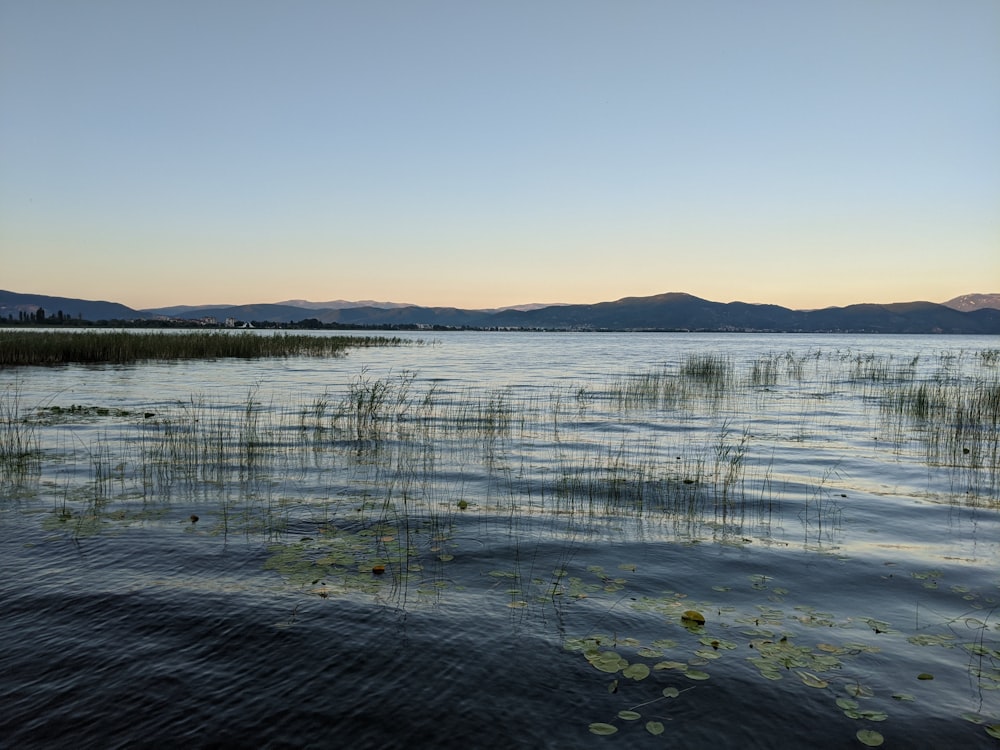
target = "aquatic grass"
x: 714, y: 372
x: 20, y: 453
x: 23, y: 348
x: 375, y: 489
x: 956, y: 419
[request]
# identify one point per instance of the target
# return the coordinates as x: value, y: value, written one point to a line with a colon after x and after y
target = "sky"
x: 484, y: 154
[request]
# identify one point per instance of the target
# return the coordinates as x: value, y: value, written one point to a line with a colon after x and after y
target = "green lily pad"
x: 637, y: 671
x: 654, y: 727
x: 993, y: 730
x: 607, y: 661
x: 671, y: 692
x: 670, y: 665
x: 695, y: 674
x: 870, y: 737
x: 601, y: 728
x: 874, y: 715
x: 812, y: 680
x: 629, y: 715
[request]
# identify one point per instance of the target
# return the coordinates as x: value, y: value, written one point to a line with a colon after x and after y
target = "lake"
x: 501, y: 539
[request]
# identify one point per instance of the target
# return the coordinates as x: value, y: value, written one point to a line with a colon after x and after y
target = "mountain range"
x: 675, y: 311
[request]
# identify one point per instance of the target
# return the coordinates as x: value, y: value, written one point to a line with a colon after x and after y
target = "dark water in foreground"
x: 832, y: 573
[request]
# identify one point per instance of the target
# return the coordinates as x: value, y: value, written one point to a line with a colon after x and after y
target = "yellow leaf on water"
x: 692, y: 615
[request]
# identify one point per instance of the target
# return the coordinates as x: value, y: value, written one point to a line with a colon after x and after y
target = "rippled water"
x: 490, y: 540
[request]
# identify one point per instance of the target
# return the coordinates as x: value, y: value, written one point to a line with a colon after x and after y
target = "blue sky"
x: 480, y: 154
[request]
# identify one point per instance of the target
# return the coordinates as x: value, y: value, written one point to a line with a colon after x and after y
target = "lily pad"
x: 870, y: 737
x: 812, y: 680
x: 637, y: 671
x: 601, y: 728
x: 654, y: 727
x: 629, y: 715
x: 693, y: 616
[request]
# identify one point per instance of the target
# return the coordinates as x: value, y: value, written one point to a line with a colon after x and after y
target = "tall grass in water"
x: 713, y: 372
x: 20, y: 348
x: 957, y: 419
x: 19, y: 446
x: 372, y: 404
x: 698, y: 375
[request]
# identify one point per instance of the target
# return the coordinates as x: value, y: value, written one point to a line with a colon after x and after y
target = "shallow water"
x: 532, y: 508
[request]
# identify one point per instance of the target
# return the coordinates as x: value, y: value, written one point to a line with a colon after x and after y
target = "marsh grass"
x: 23, y: 348
x: 20, y: 453
x: 956, y: 418
x: 390, y: 456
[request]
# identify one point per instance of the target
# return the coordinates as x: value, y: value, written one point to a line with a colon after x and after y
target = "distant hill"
x: 968, y: 302
x: 340, y: 304
x: 674, y: 311
x: 13, y: 304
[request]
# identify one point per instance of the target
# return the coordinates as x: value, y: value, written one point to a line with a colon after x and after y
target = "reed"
x: 713, y: 372
x: 376, y: 456
x: 23, y: 348
x: 19, y: 446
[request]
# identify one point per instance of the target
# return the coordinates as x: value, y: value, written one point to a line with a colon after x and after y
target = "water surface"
x: 491, y: 539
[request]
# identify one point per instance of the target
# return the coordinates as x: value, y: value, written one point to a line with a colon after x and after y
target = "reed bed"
x: 696, y: 444
x: 23, y: 348
x: 19, y: 445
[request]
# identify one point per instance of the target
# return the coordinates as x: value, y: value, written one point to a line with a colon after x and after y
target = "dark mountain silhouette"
x: 663, y: 312
x: 13, y: 303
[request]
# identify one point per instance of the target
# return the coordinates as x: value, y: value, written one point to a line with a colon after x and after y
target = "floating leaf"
x: 637, y: 671
x: 629, y: 715
x: 859, y: 691
x: 925, y: 676
x: 671, y: 692
x: 601, y: 728
x: 903, y: 697
x: 812, y: 680
x: 870, y: 737
x: 874, y: 715
x: 695, y: 674
x: 607, y: 661
x: 654, y: 727
x: 691, y: 615
x: 847, y: 704
x: 671, y: 665
x: 993, y: 730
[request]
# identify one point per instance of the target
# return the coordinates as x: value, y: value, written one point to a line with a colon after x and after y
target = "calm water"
x: 491, y: 539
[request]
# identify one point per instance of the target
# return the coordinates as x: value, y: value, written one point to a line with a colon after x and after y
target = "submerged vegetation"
x: 22, y: 348
x: 378, y: 487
